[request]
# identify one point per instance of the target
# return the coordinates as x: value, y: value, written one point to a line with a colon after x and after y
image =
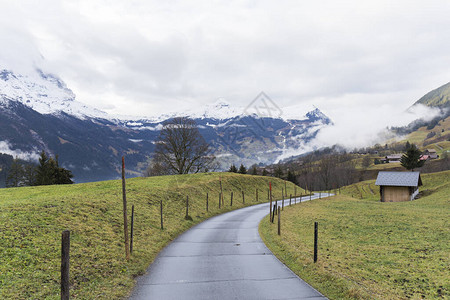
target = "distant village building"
x: 398, y: 186
x: 431, y: 153
x: 393, y: 158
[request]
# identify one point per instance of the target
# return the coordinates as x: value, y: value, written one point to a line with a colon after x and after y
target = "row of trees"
x: 243, y: 170
x: 46, y: 172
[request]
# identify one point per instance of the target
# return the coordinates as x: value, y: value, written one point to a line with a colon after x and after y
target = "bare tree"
x: 155, y: 169
x: 181, y: 149
x: 366, y: 161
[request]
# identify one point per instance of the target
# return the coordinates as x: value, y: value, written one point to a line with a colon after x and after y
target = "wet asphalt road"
x: 222, y: 258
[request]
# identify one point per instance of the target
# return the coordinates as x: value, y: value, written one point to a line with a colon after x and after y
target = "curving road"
x: 222, y: 258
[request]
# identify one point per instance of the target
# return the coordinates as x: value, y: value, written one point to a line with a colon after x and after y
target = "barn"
x: 398, y: 186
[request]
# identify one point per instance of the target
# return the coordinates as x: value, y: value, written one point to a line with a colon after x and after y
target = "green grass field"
x: 33, y: 218
x: 369, y: 249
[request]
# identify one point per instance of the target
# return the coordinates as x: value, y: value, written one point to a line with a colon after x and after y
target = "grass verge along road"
x: 369, y: 249
x: 32, y: 219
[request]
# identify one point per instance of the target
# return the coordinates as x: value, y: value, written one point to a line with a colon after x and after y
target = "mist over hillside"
x: 38, y: 111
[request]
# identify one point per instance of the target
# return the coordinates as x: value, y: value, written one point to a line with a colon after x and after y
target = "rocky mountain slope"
x: 39, y: 112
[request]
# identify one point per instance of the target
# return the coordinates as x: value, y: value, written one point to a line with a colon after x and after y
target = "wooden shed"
x: 398, y: 186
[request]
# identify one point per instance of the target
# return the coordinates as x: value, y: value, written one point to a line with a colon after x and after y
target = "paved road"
x: 222, y: 258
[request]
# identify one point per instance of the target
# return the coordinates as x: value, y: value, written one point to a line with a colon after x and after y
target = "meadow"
x: 368, y: 249
x: 33, y: 218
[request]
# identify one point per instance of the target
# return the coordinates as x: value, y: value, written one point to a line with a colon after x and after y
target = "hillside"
x: 439, y: 97
x: 34, y: 217
x: 369, y: 249
x: 437, y: 136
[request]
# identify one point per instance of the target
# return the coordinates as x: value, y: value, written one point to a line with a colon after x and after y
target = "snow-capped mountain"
x: 44, y: 93
x: 39, y: 112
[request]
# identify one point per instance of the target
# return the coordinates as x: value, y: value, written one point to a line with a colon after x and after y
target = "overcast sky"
x: 150, y: 57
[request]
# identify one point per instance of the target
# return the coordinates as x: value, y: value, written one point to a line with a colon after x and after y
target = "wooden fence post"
x: 315, y: 240
x: 132, y: 229
x: 256, y: 195
x: 65, y: 257
x: 290, y: 199
x: 243, y: 197
x: 207, y: 203
x: 273, y: 214
x: 187, y: 208
x: 279, y: 221
x: 161, y: 210
x: 282, y: 204
x: 221, y: 191
x: 231, y: 201
x: 270, y: 197
x: 125, y: 219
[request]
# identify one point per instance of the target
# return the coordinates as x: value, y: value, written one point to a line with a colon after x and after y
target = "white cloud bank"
x: 129, y: 57
x: 5, y: 147
x: 361, y: 62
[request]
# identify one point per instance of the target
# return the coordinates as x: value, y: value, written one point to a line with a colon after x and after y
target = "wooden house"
x: 432, y: 154
x: 394, y: 158
x: 398, y: 186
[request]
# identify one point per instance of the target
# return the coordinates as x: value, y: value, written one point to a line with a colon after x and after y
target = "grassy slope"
x: 369, y: 249
x: 439, y: 97
x: 32, y: 219
x: 418, y: 137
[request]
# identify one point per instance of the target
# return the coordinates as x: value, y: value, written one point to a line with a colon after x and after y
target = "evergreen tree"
x: 264, y: 172
x: 49, y: 172
x: 411, y: 159
x: 254, y: 171
x: 407, y: 146
x: 242, y: 169
x: 278, y: 172
x: 15, y: 174
x: 29, y: 175
x: 233, y: 169
x: 291, y: 177
x: 44, y: 171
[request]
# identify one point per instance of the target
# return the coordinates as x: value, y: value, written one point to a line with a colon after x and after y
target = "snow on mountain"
x: 219, y: 110
x: 39, y: 112
x: 47, y: 94
x: 44, y: 93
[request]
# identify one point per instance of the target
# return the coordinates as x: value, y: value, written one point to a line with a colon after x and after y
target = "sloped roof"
x: 394, y: 156
x: 399, y: 179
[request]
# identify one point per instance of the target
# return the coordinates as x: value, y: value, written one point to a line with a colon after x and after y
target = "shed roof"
x: 394, y: 156
x: 399, y: 179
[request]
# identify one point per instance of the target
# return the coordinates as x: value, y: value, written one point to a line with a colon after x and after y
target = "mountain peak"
x: 44, y: 93
x: 316, y: 115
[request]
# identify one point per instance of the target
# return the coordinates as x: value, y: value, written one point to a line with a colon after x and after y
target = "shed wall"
x: 396, y: 193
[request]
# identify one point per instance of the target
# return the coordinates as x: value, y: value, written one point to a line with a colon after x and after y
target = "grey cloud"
x: 151, y: 57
